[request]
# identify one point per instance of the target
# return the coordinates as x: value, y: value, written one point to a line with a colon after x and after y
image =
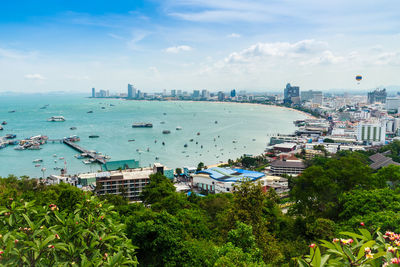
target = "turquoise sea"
x: 231, y: 137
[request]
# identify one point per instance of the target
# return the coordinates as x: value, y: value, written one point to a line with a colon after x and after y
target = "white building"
x: 392, y: 104
x: 372, y: 131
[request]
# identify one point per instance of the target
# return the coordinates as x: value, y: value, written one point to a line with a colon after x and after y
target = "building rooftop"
x: 287, y: 164
x: 120, y: 164
x: 379, y: 161
x: 231, y: 175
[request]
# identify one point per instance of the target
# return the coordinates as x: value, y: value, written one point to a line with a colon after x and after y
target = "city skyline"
x: 188, y: 44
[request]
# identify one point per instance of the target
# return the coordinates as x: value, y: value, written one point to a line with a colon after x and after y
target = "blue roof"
x: 231, y: 175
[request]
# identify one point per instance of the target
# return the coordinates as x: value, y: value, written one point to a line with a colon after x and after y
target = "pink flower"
x: 1, y: 252
x: 57, y: 236
x: 50, y: 246
x: 16, y: 241
x: 312, y: 245
x: 395, y: 261
x: 362, y: 224
x: 335, y: 240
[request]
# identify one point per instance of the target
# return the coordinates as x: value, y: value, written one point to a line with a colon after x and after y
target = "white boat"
x: 86, y: 162
x: 37, y: 160
x: 56, y: 118
x: 61, y: 158
x: 178, y: 128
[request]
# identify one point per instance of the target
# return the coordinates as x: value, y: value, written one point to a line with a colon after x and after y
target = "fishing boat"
x: 56, y: 118
x: 90, y: 111
x: 178, y: 128
x: 131, y: 140
x: 72, y: 128
x: 142, y: 125
x: 37, y: 165
x: 37, y: 160
x: 185, y: 145
x: 93, y: 136
x: 166, y: 131
x: 4, y: 123
x: 12, y: 111
x: 191, y: 140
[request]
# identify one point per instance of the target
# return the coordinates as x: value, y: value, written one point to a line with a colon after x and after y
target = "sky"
x: 254, y: 45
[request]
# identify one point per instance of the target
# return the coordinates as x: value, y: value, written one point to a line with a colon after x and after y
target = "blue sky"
x: 189, y: 44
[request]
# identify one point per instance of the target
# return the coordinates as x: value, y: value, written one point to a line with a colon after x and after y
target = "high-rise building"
x: 392, y: 104
x: 377, y: 96
x: 290, y: 92
x: 131, y: 94
x: 173, y: 93
x: 204, y: 93
x: 313, y: 96
x: 93, y: 92
x: 233, y: 93
x: 221, y: 96
x: 196, y: 94
x: 179, y: 93
x: 103, y: 93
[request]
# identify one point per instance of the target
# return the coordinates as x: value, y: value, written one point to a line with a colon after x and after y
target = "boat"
x: 216, y: 122
x: 37, y: 160
x: 56, y: 168
x: 131, y: 140
x: 93, y: 136
x: 56, y: 118
x: 198, y: 133
x: 86, y: 161
x: 34, y: 147
x: 19, y: 148
x: 166, y: 131
x: 103, y: 108
x: 12, y: 111
x: 1, y: 128
x: 254, y: 139
x: 185, y: 145
x: 54, y: 155
x: 178, y: 128
x: 10, y: 136
x: 191, y: 140
x: 165, y: 113
x: 37, y: 165
x: 72, y: 128
x: 55, y: 161
x: 234, y: 141
x: 90, y: 111
x: 4, y: 123
x: 163, y: 143
x: 163, y: 122
x: 142, y: 125
x: 61, y: 158
x: 112, y: 105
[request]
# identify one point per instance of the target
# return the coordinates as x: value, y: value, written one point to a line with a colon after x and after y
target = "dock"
x: 82, y: 150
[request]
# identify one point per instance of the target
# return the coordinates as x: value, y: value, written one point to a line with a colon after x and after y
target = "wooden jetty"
x: 82, y: 150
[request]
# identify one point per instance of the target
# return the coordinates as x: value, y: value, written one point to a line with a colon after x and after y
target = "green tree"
x: 158, y: 188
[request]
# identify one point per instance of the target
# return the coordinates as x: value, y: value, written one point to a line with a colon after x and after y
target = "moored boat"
x: 142, y: 125
x: 94, y: 136
x: 166, y: 131
x: 56, y: 118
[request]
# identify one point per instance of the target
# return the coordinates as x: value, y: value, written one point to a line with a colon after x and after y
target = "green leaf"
x: 353, y: 235
x: 349, y: 253
x: 324, y: 259
x: 317, y: 257
x: 361, y: 252
x: 366, y: 234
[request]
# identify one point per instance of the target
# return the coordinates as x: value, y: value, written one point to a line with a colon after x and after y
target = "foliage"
x: 158, y: 188
x: 47, y: 235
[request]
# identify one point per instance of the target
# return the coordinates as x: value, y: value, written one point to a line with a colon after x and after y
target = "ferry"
x: 56, y: 118
x: 142, y: 125
x: 166, y: 131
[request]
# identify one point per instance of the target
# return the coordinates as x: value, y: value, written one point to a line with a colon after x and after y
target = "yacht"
x: 56, y: 118
x: 142, y: 125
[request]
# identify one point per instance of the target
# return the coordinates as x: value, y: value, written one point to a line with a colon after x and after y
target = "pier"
x: 82, y: 150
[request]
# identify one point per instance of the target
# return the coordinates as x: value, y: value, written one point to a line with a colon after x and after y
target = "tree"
x: 158, y: 188
x: 200, y: 166
x: 248, y: 162
x: 389, y: 174
x: 178, y: 171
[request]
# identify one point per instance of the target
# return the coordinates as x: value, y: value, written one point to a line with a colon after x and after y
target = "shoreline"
x: 223, y: 102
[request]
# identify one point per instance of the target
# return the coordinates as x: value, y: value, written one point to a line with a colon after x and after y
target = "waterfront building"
x: 313, y: 96
x: 205, y: 94
x: 102, y: 93
x: 371, y: 132
x: 131, y: 91
x: 377, y: 96
x: 223, y: 180
x: 221, y: 96
x: 196, y: 94
x: 128, y: 183
x: 93, y: 92
x: 233, y: 93
x: 290, y: 94
x: 173, y: 93
x: 179, y: 92
x: 120, y: 165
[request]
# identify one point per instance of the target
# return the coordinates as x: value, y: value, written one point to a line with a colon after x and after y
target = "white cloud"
x: 35, y: 76
x: 234, y: 35
x: 278, y: 49
x: 178, y: 49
